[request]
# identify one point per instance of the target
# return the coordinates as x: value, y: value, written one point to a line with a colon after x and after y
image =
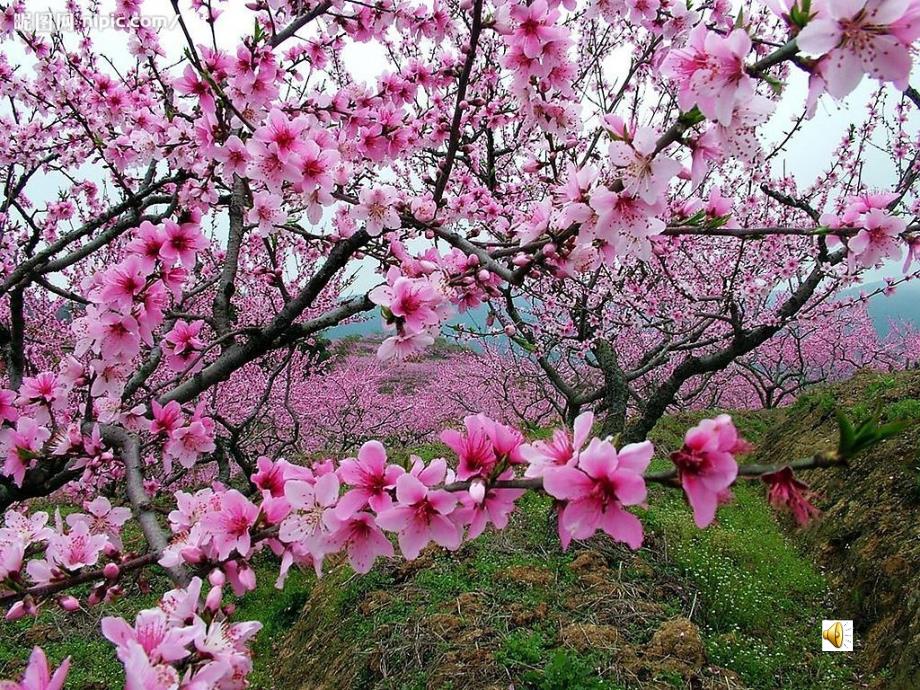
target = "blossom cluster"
x: 878, y: 232
x: 421, y: 293
x: 78, y: 542
x: 184, y: 630
x: 309, y: 513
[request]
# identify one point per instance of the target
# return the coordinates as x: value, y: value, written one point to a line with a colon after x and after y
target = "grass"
x: 761, y: 599
x: 276, y: 609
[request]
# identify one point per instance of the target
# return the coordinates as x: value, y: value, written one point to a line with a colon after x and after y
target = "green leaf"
x: 692, y: 117
x: 774, y: 83
x: 847, y: 434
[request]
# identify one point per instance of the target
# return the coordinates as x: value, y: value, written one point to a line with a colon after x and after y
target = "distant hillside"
x: 903, y: 305
x: 473, y: 319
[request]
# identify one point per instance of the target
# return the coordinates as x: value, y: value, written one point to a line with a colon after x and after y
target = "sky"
x: 806, y: 159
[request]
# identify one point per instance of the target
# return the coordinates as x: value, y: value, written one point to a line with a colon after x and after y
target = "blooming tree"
x: 216, y: 212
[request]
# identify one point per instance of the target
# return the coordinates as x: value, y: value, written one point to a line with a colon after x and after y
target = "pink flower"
x: 280, y: 133
x: 161, y: 640
x: 38, y: 676
x: 190, y: 508
x: 188, y: 442
x: 181, y: 605
x: 411, y: 303
x: 182, y: 345
x: 226, y: 642
x: 362, y: 539
x: 371, y: 480
x: 880, y: 238
x: 536, y: 27
x: 309, y: 505
x: 421, y: 515
x: 229, y: 527
x: 116, y: 335
x: 506, y: 441
x: 644, y: 174
x: 596, y: 491
x: 146, y: 245
x: 265, y: 212
x: 182, y: 242
x: 474, y: 449
x: 12, y: 551
x: 710, y: 72
x: 316, y: 167
x: 272, y: 476
x: 191, y: 83
x: 76, y: 548
x: 8, y: 411
x: 494, y: 507
x: 22, y: 445
x: 271, y: 166
x: 166, y: 418
x: 403, y: 345
x: 28, y: 528
x: 706, y: 465
x: 785, y: 491
x: 625, y: 223
x: 143, y: 674
x: 377, y: 207
x: 122, y: 283
x: 103, y: 519
x: 43, y: 388
x: 563, y: 449
x: 234, y: 156
x: 862, y: 37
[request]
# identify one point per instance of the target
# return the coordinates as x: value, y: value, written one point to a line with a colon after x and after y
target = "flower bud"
x: 95, y: 597
x: 17, y: 611
x: 510, y: 330
x: 217, y: 577
x: 111, y: 571
x: 69, y: 603
x: 478, y: 490
x: 212, y: 602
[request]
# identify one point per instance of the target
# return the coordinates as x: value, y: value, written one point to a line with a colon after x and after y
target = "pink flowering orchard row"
x: 305, y: 514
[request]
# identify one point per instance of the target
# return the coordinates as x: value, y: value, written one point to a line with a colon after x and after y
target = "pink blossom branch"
x: 671, y: 477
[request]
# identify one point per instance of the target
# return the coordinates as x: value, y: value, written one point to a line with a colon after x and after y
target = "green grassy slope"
x: 737, y: 605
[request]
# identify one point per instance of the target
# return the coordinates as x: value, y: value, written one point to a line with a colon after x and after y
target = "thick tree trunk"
x: 616, y: 390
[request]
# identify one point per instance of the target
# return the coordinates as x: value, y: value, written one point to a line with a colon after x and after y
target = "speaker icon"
x: 834, y: 634
x: 837, y: 636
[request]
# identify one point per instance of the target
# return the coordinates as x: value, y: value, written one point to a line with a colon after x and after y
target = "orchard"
x: 604, y: 180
